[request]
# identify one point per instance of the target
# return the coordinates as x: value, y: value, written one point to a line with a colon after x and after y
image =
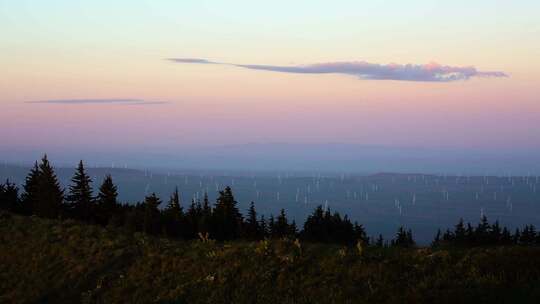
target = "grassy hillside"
x: 68, y: 262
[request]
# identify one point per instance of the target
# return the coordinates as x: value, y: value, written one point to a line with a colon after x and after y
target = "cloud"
x: 124, y: 101
x: 192, y: 60
x: 432, y: 72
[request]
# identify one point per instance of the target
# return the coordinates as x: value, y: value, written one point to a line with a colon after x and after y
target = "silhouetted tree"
x: 263, y: 227
x: 29, y: 199
x: 252, y: 227
x: 437, y: 240
x: 107, y: 203
x: 227, y: 219
x: 81, y: 202
x: 9, y: 197
x: 403, y: 238
x: 281, y: 227
x: 173, y: 215
x: 205, y: 224
x: 48, y: 198
x: 152, y: 218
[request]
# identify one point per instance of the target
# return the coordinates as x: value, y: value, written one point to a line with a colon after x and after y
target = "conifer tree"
x: 263, y: 227
x: 252, y: 227
x: 460, y: 232
x: 9, y: 197
x: 151, y: 221
x: 437, y: 240
x: 403, y: 238
x: 173, y: 215
x: 30, y: 187
x: 107, y: 203
x: 227, y: 219
x: 205, y: 223
x: 49, y: 197
x: 80, y: 195
x: 281, y: 227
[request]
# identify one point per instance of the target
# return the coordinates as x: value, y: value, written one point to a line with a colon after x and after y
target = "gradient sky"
x: 109, y: 50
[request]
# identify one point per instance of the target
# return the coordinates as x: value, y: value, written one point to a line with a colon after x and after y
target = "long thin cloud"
x: 431, y: 72
x: 124, y: 101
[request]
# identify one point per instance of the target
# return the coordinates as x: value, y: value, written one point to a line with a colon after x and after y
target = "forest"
x: 43, y: 196
x: 76, y: 246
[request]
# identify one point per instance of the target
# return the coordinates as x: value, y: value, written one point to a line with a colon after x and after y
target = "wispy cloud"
x: 124, y: 101
x: 432, y: 72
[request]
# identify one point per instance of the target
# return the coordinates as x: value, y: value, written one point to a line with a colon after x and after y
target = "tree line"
x: 486, y: 234
x: 43, y: 196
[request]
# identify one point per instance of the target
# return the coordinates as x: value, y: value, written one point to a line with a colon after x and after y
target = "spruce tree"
x: 281, y: 227
x: 9, y: 197
x: 263, y: 227
x: 80, y: 195
x: 437, y: 240
x: 30, y: 188
x: 107, y: 203
x: 49, y: 197
x: 205, y: 223
x: 151, y: 221
x: 227, y: 218
x: 460, y: 232
x: 252, y: 228
x: 173, y: 215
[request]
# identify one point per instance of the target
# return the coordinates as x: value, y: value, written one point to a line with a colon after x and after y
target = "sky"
x: 151, y: 76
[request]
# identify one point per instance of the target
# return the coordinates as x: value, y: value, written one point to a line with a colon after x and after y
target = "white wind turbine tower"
x: 509, y: 203
x: 146, y: 189
x: 414, y: 199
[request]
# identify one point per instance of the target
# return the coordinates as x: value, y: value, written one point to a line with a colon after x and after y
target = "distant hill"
x: 54, y: 261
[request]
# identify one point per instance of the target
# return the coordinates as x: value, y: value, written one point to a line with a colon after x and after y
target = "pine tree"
x: 226, y: 217
x: 152, y: 218
x: 173, y: 215
x: 107, y: 203
x: 252, y: 227
x: 460, y: 232
x: 9, y: 197
x: 360, y: 234
x: 281, y: 227
x: 80, y: 195
x: 29, y: 196
x: 271, y: 226
x: 49, y: 197
x: 205, y: 220
x: 263, y: 227
x: 437, y: 240
x: 403, y: 238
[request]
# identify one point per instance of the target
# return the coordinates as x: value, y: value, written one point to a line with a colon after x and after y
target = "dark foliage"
x: 79, y: 199
x: 486, y: 234
x: 223, y: 221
